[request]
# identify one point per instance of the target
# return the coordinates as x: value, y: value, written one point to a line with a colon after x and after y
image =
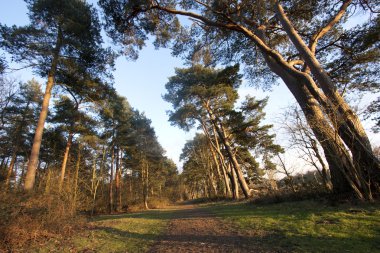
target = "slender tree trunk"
x: 212, y: 181
x: 118, y: 181
x: 76, y: 177
x: 234, y: 181
x: 288, y: 175
x: 94, y: 186
x: 64, y: 162
x: 21, y: 180
x: 227, y: 145
x: 324, y: 174
x: 10, y: 169
x: 34, y: 155
x: 236, y: 167
x: 223, y: 164
x: 145, y: 183
x: 146, y: 187
x: 111, y: 181
x: 215, y: 150
x: 47, y: 184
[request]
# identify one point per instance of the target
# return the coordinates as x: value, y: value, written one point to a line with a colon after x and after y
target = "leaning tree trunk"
x: 211, y: 177
x: 234, y: 182
x: 334, y: 148
x: 231, y: 155
x: 10, y: 169
x: 34, y: 155
x: 348, y: 124
x: 222, y: 163
x: 219, y: 163
x: 64, y: 162
x: 344, y: 176
x: 324, y: 173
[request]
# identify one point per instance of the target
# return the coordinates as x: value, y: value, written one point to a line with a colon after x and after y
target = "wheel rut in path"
x: 194, y: 229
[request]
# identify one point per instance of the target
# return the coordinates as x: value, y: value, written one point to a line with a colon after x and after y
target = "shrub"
x: 28, y: 219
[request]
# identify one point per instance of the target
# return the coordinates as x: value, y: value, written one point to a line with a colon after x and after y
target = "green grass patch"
x: 134, y: 232
x: 308, y: 226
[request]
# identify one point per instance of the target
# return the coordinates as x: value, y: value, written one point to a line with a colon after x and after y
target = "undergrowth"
x: 35, y: 219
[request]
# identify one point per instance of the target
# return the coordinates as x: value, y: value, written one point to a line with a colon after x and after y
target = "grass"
x: 304, y: 226
x: 308, y: 226
x: 134, y: 232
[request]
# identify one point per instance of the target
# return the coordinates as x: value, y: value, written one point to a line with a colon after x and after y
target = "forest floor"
x: 305, y: 226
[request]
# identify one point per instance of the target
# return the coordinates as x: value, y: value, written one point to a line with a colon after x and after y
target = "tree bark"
x: 145, y: 182
x: 343, y: 175
x: 117, y: 182
x: 10, y: 169
x: 358, y: 144
x: 76, y: 178
x: 287, y: 173
x: 347, y: 122
x: 324, y: 174
x: 64, y: 162
x: 111, y: 180
x: 34, y: 155
x: 231, y: 155
x: 94, y: 186
x: 212, y: 180
x: 234, y: 182
x: 219, y: 163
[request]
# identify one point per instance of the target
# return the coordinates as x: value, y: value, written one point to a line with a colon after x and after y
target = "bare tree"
x: 303, y: 139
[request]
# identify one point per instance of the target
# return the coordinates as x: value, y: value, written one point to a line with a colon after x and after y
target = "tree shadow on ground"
x: 275, y: 241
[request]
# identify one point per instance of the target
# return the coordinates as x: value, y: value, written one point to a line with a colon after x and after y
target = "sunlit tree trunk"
x: 145, y: 182
x: 94, y: 186
x: 65, y: 158
x: 34, y: 155
x: 10, y: 169
x: 323, y: 172
x: 345, y: 120
x: 211, y: 177
x: 231, y: 155
x: 218, y: 158
x: 111, y: 180
x: 76, y: 178
x: 118, y: 181
x: 343, y: 172
x: 234, y: 181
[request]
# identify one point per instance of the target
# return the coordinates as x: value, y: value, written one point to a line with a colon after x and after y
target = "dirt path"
x: 194, y: 229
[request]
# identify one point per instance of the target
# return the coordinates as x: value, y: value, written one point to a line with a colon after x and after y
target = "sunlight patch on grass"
x: 126, y: 233
x: 134, y: 232
x: 310, y: 226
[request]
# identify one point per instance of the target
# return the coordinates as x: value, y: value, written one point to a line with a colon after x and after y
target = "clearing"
x: 305, y: 226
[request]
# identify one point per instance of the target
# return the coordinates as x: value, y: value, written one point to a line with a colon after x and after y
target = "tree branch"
x: 322, y: 31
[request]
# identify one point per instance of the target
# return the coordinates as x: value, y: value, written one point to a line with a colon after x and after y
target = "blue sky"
x: 142, y: 82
